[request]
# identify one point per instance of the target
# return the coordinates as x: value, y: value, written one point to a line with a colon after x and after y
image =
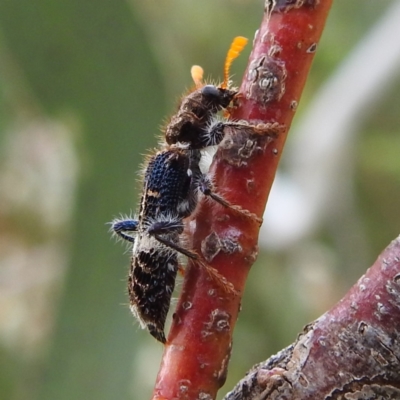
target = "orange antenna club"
x: 197, y: 75
x: 238, y: 44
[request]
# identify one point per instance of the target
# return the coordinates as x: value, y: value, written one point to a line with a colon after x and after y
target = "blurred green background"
x: 84, y: 88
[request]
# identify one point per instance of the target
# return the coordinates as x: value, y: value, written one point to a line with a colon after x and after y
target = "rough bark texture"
x: 351, y: 352
x: 197, y: 353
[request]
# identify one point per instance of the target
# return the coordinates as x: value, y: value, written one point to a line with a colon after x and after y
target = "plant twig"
x: 350, y: 352
x: 196, y: 357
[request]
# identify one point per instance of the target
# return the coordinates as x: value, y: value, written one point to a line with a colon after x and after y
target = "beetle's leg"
x: 206, y: 187
x: 196, y: 258
x: 124, y: 228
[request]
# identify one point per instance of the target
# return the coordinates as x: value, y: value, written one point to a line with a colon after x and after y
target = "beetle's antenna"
x: 197, y: 75
x: 237, y: 46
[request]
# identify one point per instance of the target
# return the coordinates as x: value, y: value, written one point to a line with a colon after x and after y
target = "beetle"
x: 172, y: 181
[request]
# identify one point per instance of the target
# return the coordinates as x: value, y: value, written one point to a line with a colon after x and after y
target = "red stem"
x: 195, y: 359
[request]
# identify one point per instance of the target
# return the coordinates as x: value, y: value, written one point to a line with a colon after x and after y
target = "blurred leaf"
x: 91, y: 59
